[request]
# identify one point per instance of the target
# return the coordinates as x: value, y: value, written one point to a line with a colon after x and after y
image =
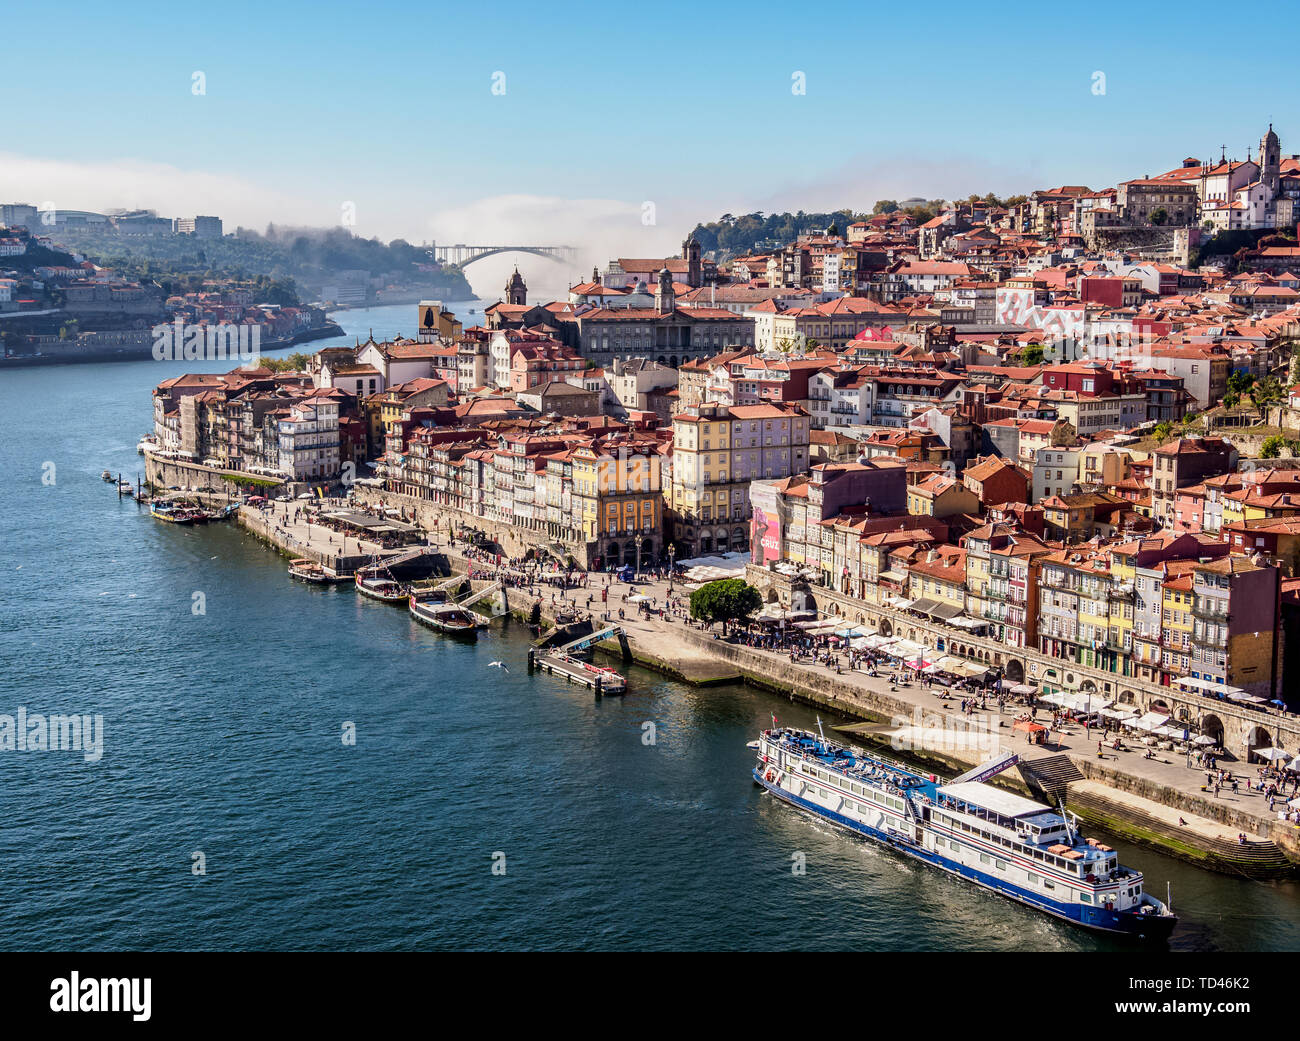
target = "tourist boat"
x: 380, y: 586
x: 1018, y: 848
x: 175, y: 513
x: 311, y: 571
x: 126, y: 488
x: 611, y: 682
x: 442, y: 614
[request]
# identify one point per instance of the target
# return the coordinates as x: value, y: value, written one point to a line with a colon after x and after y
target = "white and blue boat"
x: 1018, y: 848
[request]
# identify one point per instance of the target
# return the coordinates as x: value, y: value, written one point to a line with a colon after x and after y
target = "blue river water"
x: 223, y: 748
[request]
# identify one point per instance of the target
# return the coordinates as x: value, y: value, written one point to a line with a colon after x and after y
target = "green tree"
x: 727, y: 600
x: 1159, y: 216
x: 1272, y: 447
x: 1032, y: 355
x: 1266, y: 392
x: 1162, y: 431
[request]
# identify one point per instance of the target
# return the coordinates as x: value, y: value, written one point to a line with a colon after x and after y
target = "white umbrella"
x: 1272, y: 754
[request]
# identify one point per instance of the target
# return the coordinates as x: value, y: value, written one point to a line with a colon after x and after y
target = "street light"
x: 638, y: 540
x: 672, y: 552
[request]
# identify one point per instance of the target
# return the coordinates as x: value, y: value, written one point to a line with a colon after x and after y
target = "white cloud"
x: 132, y: 184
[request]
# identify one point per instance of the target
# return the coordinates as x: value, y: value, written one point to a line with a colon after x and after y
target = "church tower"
x: 694, y: 269
x: 665, y: 296
x: 517, y: 290
x: 1270, y: 159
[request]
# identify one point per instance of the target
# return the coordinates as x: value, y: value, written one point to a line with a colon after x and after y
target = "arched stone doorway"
x: 886, y: 627
x: 1127, y: 697
x: 1212, y: 727
x: 1159, y: 705
x: 1257, y: 737
x: 772, y: 598
x: 1015, y: 670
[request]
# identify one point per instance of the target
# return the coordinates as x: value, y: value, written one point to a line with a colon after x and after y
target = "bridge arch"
x: 464, y: 256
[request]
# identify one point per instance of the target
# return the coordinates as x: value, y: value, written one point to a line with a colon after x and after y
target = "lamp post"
x: 672, y: 553
x: 638, y: 540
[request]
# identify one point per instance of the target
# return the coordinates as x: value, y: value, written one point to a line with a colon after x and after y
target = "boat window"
x: 984, y: 858
x: 1033, y: 879
x: 1048, y: 885
x: 1001, y: 865
x: 1085, y: 898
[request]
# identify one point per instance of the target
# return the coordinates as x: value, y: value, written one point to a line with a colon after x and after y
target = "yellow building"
x: 618, y: 499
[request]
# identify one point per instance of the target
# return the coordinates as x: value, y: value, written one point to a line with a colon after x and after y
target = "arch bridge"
x: 464, y: 255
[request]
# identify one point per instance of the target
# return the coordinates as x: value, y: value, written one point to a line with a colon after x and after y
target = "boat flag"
x: 775, y: 724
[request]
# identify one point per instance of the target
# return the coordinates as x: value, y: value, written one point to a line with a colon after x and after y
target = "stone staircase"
x: 1253, y: 859
x: 1050, y: 776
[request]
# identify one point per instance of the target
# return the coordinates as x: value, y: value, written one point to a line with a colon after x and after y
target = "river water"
x: 224, y: 751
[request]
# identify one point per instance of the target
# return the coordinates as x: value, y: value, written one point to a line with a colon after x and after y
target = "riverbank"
x: 1151, y: 802
x: 145, y: 353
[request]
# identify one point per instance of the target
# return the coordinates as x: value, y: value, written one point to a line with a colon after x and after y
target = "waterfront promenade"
x: 1163, y: 790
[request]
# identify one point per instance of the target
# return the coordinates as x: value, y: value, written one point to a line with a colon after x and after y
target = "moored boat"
x: 311, y: 571
x: 106, y: 476
x: 174, y: 513
x: 444, y: 615
x: 378, y: 585
x: 1013, y: 846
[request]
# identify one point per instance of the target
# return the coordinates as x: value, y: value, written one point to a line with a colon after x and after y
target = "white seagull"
x: 498, y: 665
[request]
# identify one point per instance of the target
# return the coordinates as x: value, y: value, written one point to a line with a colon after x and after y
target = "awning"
x: 943, y: 610
x: 1150, y: 722
x: 893, y: 576
x: 967, y: 622
x: 924, y: 606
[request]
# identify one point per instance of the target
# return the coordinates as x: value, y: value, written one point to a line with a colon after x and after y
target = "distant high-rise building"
x: 199, y: 227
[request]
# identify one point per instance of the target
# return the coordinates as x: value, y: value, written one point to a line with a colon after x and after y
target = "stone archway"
x: 1127, y: 697
x: 772, y: 598
x: 1159, y: 705
x: 1212, y: 727
x: 1015, y: 670
x: 1257, y: 737
x: 886, y: 627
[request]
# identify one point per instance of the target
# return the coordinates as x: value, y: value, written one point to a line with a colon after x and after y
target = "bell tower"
x: 1270, y: 159
x: 665, y: 295
x: 517, y: 290
x: 694, y: 269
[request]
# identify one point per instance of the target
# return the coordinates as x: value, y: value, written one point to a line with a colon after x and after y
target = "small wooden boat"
x: 379, y: 586
x: 126, y: 488
x: 309, y: 571
x: 444, y: 615
x: 107, y: 477
x: 173, y: 513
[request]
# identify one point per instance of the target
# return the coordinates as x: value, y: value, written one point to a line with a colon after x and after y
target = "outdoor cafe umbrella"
x: 1272, y: 754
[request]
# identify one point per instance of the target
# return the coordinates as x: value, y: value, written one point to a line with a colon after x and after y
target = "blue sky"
x: 389, y: 106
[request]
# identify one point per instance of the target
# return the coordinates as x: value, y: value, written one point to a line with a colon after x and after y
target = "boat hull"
x: 464, y: 631
x: 1146, y: 928
x: 383, y: 596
